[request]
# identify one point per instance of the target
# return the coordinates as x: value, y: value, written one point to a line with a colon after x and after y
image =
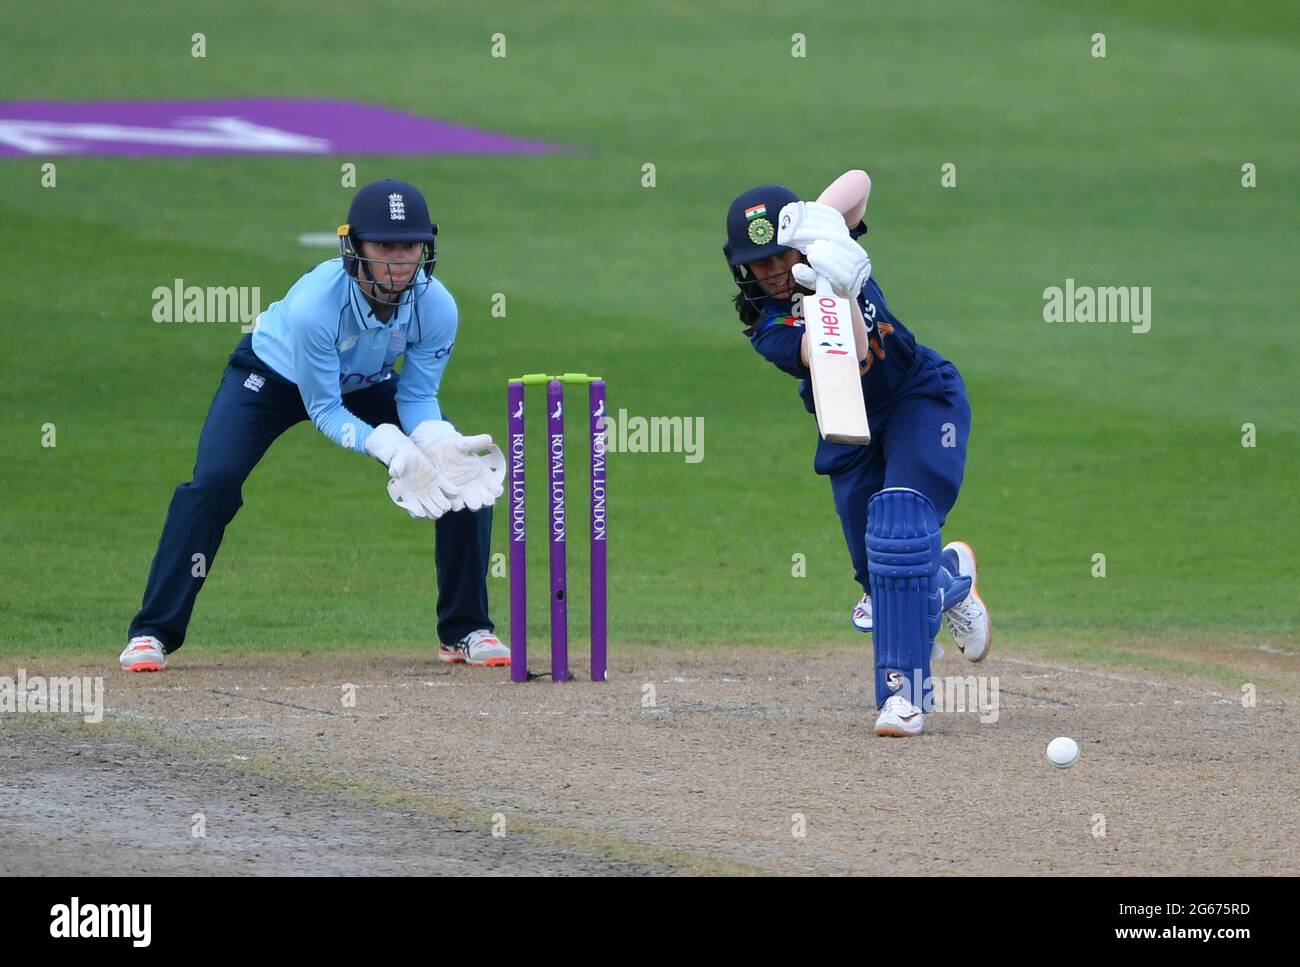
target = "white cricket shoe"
x: 899, y: 718
x: 969, y: 621
x: 478, y: 648
x: 144, y: 653
x: 862, y: 614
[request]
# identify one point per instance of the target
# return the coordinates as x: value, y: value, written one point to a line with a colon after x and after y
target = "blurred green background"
x: 1087, y: 438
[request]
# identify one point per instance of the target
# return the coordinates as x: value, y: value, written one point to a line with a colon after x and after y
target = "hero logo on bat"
x: 832, y: 340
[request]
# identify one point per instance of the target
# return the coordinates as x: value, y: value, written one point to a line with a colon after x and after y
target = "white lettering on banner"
x: 46, y: 137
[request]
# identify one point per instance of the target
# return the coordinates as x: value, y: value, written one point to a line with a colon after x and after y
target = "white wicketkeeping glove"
x: 413, y: 483
x: 846, y: 268
x: 476, y: 475
x: 803, y: 222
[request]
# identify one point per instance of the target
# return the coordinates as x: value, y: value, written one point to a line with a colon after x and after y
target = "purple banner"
x: 246, y: 126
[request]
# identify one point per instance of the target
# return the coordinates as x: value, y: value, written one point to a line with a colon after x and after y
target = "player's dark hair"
x: 748, y: 311
x: 748, y: 305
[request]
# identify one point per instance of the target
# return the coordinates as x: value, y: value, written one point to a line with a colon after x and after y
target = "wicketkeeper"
x: 326, y: 352
x: 893, y: 494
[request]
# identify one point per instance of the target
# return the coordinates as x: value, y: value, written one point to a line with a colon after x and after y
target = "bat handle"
x: 824, y: 287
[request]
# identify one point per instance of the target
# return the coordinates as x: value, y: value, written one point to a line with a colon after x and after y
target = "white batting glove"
x: 478, y: 479
x: 413, y: 482
x: 803, y: 222
x: 846, y: 268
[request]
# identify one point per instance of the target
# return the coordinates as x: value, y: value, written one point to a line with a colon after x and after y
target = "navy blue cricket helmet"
x: 751, y: 224
x: 751, y: 234
x: 388, y: 211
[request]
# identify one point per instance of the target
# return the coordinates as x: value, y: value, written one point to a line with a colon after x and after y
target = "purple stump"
x: 555, y: 465
x: 597, y: 403
x: 518, y: 541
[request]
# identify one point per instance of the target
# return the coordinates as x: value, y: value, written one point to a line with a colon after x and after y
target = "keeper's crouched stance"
x: 326, y: 352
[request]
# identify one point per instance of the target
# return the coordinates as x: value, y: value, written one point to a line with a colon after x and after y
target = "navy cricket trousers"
x: 918, y: 441
x: 244, y: 420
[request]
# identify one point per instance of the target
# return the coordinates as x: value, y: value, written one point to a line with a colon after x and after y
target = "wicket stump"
x: 557, y: 525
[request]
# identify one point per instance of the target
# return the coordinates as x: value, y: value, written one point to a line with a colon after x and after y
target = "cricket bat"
x: 832, y: 347
x: 833, y: 360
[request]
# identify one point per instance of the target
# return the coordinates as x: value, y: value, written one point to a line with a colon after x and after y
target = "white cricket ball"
x: 1062, y: 752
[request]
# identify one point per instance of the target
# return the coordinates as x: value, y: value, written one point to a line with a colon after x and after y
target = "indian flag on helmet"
x: 754, y: 211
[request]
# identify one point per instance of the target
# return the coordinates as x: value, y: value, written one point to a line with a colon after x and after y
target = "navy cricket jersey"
x: 896, y: 366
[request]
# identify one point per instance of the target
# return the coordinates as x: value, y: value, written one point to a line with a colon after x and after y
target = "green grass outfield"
x: 1087, y: 439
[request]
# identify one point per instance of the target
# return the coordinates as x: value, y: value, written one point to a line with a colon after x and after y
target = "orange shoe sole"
x: 451, y: 657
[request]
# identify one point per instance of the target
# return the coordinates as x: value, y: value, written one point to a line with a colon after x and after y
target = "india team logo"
x: 761, y: 231
x: 396, y: 208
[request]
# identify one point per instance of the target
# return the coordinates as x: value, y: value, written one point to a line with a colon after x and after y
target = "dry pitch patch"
x: 739, y: 753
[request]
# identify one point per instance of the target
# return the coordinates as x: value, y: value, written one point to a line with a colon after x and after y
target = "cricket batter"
x: 326, y: 352
x: 892, y: 495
